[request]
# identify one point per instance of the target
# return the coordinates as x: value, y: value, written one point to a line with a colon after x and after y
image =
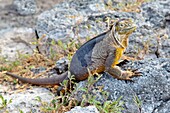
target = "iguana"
x: 100, y: 54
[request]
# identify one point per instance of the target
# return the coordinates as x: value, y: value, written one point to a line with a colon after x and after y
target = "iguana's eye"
x: 121, y: 25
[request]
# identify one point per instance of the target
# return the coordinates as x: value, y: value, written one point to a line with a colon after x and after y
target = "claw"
x: 123, y: 62
x: 134, y: 70
x: 135, y: 73
x: 130, y: 80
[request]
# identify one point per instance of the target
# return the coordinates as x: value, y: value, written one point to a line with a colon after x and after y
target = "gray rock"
x: 88, y: 7
x: 164, y: 108
x: 89, y: 109
x: 62, y: 65
x: 59, y: 22
x: 16, y: 40
x: 153, y: 27
x: 155, y: 12
x: 96, y: 24
x: 26, y: 100
x: 167, y: 22
x: 152, y: 88
x: 25, y: 7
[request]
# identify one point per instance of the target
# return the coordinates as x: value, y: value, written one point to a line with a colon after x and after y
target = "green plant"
x: 20, y: 111
x: 9, y: 65
x: 22, y: 56
x: 61, y: 103
x: 88, y: 98
x: 46, y: 107
x: 111, y: 106
x: 3, y: 60
x: 4, y: 102
x: 17, y: 62
x: 138, y: 102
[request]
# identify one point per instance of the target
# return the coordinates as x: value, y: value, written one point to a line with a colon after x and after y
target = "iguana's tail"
x: 56, y: 80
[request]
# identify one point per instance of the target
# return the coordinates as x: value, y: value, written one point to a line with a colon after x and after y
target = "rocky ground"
x: 150, y: 44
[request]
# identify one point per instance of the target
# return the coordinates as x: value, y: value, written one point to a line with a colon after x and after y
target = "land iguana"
x: 100, y: 54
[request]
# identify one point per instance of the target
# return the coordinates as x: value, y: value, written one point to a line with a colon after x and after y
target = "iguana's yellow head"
x: 124, y: 26
x: 120, y: 32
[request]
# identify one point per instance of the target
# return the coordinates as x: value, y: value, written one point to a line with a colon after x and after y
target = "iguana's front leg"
x: 121, y: 75
x: 115, y: 71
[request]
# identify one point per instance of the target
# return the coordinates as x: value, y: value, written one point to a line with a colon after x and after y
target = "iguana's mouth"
x: 129, y: 29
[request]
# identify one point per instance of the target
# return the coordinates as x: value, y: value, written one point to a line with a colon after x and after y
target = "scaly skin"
x: 102, y: 53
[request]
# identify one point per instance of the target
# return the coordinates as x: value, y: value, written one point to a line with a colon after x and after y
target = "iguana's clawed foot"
x: 127, y: 75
